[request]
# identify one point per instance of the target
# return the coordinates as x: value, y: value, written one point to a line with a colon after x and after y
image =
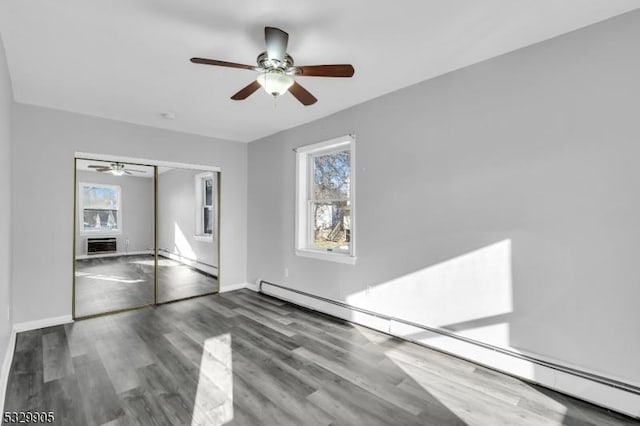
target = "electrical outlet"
x: 286, y: 272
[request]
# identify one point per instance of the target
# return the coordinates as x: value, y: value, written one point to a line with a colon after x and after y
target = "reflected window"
x: 207, y: 208
x: 100, y: 208
x: 205, y: 200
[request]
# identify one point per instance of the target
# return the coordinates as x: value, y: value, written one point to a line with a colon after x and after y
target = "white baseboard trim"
x: 41, y: 323
x: 96, y: 256
x: 601, y: 394
x: 254, y: 286
x: 6, y: 367
x: 207, y: 269
x: 232, y: 287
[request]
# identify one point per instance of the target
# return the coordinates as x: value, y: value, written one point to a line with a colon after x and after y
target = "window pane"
x: 331, y: 225
x: 208, y: 192
x: 208, y: 221
x: 100, y: 220
x: 100, y: 197
x: 331, y: 176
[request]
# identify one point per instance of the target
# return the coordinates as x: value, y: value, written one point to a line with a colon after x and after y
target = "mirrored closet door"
x: 114, y: 237
x: 187, y: 233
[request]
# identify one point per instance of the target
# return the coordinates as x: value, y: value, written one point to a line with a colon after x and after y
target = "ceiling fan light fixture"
x: 117, y: 169
x: 275, y: 82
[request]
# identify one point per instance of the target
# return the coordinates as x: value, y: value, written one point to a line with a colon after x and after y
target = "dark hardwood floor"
x: 111, y: 283
x: 244, y: 358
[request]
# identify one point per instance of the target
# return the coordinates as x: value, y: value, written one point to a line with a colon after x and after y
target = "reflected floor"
x: 111, y: 283
x: 244, y: 358
x: 178, y: 281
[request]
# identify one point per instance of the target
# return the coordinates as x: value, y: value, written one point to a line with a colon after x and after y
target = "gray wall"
x: 137, y: 211
x: 6, y: 103
x: 525, y: 165
x: 44, y: 142
x: 176, y: 208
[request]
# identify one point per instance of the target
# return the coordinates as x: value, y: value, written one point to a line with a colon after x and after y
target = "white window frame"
x: 200, y: 178
x: 81, y: 209
x: 304, y: 221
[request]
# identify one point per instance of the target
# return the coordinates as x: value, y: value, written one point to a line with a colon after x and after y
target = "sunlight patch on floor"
x: 161, y: 262
x: 214, y: 397
x: 450, y: 380
x: 109, y: 278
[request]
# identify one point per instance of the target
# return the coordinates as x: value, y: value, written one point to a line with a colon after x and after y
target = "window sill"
x: 322, y: 255
x: 100, y: 233
x: 203, y: 238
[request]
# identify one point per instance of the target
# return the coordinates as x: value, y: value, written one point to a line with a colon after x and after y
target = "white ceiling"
x: 129, y: 59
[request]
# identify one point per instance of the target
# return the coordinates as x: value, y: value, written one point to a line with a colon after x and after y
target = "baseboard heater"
x: 101, y: 245
x: 201, y: 267
x: 633, y: 391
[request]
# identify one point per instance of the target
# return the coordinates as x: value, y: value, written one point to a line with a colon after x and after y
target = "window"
x: 205, y: 206
x: 325, y: 200
x: 100, y: 209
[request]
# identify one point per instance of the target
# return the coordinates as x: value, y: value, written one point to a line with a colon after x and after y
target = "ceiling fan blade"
x: 127, y: 172
x: 94, y: 166
x: 302, y: 94
x: 135, y: 170
x: 338, y: 70
x: 104, y: 169
x: 205, y: 61
x: 276, y: 41
x: 246, y: 91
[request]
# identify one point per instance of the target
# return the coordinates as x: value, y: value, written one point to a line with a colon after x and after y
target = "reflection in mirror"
x: 187, y: 233
x: 114, y: 258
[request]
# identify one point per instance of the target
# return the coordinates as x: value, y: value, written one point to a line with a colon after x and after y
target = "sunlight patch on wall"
x: 467, y: 288
x: 182, y: 245
x: 497, y: 334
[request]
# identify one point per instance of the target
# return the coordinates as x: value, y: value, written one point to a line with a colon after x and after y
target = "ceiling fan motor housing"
x: 270, y: 64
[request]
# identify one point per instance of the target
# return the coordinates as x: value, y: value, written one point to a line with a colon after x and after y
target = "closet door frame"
x: 155, y: 164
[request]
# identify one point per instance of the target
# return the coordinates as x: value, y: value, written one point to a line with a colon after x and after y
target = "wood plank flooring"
x: 248, y: 359
x: 111, y: 283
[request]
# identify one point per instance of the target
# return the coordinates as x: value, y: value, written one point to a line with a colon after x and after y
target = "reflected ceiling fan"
x: 277, y: 70
x: 116, y: 169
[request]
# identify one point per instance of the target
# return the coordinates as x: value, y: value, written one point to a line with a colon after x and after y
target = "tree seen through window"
x: 330, y: 192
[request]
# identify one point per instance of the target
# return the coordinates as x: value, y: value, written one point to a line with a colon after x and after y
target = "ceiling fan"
x: 116, y: 169
x: 277, y: 70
